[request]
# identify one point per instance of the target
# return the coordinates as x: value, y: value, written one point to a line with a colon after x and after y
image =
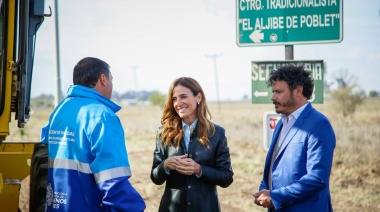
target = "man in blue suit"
x: 298, y: 165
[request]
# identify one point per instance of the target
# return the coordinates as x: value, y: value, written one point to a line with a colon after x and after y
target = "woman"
x: 191, y: 152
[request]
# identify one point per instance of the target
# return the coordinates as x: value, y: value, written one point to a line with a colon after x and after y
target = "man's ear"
x: 103, y: 79
x: 299, y: 90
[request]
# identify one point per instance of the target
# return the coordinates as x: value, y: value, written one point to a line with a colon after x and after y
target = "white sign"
x: 270, y: 120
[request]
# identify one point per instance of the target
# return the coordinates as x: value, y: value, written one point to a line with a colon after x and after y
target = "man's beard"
x: 287, y: 104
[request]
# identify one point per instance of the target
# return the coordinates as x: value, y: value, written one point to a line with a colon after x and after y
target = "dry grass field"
x: 355, y: 178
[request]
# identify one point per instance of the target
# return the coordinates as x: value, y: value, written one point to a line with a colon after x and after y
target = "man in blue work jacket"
x: 88, y: 160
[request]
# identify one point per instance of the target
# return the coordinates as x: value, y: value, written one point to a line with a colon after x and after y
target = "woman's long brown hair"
x: 171, y: 132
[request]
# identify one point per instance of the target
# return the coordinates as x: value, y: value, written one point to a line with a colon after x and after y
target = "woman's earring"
x: 199, y: 103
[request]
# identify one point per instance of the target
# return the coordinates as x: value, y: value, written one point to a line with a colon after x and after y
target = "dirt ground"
x: 24, y: 195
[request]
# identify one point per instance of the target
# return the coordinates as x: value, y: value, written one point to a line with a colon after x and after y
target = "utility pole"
x: 289, y: 52
x: 134, y: 68
x: 213, y: 57
x: 58, y: 93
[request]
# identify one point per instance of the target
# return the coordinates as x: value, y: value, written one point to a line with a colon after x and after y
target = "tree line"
x: 153, y: 97
x: 347, y: 96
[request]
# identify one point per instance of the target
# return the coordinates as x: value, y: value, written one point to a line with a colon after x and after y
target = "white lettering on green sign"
x: 302, y: 21
x: 260, y: 72
x: 286, y: 4
x: 250, y: 5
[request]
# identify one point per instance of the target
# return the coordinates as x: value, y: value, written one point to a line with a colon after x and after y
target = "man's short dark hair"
x: 294, y: 76
x: 88, y: 70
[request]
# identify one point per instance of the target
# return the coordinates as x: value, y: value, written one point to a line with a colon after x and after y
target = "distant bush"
x: 157, y: 99
x: 348, y: 96
x: 42, y: 101
x: 373, y: 94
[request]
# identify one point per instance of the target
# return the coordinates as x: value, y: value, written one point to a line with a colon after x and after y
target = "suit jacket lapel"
x: 289, y: 137
x: 295, y: 128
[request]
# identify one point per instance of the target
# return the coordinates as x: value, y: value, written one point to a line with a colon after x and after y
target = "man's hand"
x: 263, y: 199
x: 256, y: 196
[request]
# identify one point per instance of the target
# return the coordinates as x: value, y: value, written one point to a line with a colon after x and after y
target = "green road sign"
x: 262, y: 94
x: 280, y: 22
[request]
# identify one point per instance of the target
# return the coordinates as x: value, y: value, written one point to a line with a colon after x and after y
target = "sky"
x: 150, y: 43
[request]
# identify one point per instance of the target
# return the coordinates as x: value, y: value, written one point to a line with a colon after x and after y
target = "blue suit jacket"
x: 301, y: 171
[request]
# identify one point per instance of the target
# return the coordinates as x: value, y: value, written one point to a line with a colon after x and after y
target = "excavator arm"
x: 19, y: 22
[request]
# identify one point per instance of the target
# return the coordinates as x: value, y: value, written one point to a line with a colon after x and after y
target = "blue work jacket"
x: 88, y: 160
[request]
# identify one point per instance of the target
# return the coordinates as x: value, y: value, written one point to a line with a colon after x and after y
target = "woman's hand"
x: 188, y: 166
x: 173, y: 162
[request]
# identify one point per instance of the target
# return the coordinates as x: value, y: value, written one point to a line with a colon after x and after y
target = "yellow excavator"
x: 19, y: 23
